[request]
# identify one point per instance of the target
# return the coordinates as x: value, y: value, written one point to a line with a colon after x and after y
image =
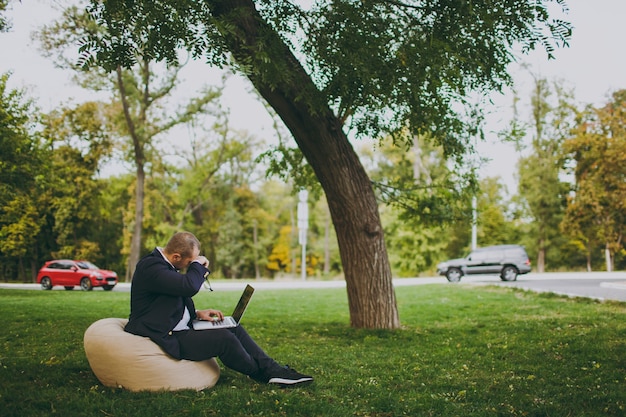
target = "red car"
x: 70, y: 273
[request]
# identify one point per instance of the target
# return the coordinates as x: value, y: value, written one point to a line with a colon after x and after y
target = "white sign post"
x: 303, y: 225
x: 474, y: 221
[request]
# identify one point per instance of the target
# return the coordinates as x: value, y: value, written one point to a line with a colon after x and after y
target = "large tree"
x: 376, y: 66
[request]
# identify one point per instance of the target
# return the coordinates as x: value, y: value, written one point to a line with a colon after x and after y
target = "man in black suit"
x: 162, y: 309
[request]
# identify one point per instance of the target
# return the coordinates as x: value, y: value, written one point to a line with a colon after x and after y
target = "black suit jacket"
x: 158, y: 297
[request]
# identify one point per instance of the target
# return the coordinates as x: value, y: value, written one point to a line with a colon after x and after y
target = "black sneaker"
x: 284, y: 376
x: 260, y: 377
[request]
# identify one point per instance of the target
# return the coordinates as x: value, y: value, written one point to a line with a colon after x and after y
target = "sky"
x: 594, y: 65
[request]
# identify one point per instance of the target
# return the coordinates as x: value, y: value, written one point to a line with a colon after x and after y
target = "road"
x: 596, y: 285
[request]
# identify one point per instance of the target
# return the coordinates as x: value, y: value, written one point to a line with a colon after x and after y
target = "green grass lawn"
x: 462, y: 351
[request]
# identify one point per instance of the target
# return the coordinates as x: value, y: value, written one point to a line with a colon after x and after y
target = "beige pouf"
x: 120, y: 359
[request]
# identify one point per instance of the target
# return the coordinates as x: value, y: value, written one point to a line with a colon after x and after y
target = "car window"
x: 478, y: 256
x: 67, y: 265
x: 496, y: 255
x: 86, y: 265
x: 55, y: 265
x: 514, y: 253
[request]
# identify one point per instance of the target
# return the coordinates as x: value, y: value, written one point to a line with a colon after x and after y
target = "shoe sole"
x: 289, y: 382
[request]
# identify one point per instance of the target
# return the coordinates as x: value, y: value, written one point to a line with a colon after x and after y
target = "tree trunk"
x: 34, y: 268
x: 319, y: 135
x: 541, y: 257
x: 608, y: 258
x: 255, y: 243
x: 135, y: 242
x: 21, y: 273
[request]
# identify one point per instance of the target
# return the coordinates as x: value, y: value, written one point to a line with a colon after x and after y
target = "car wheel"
x: 85, y: 284
x: 108, y: 287
x: 509, y: 273
x: 69, y: 288
x: 46, y: 283
x: 454, y: 274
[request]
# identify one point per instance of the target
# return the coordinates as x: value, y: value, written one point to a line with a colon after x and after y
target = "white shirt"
x: 182, y: 325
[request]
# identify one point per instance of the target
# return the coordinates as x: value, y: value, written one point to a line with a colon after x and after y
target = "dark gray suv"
x: 508, y: 261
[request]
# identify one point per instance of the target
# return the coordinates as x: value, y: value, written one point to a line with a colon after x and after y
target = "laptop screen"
x: 240, y: 308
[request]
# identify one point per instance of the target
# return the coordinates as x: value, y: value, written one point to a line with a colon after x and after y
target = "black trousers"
x: 234, y: 347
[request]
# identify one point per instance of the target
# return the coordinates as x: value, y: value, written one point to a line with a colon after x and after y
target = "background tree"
x: 138, y: 112
x: 379, y: 65
x: 540, y: 184
x: 23, y: 176
x: 278, y: 201
x: 580, y: 223
x: 108, y: 221
x: 322, y: 243
x: 494, y: 226
x: 422, y: 199
x: 80, y: 144
x: 598, y: 153
x: 216, y: 161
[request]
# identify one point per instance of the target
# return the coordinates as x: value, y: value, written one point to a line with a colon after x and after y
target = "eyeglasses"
x: 207, y: 284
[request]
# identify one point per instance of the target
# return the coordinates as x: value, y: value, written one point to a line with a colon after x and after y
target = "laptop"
x: 229, y: 321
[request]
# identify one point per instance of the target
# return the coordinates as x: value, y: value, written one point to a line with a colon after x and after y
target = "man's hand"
x: 210, y: 315
x: 202, y: 260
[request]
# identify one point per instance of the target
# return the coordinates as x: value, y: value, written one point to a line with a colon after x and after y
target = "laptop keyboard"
x: 227, y: 320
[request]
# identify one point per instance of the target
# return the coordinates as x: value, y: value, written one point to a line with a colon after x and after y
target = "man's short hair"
x: 182, y: 243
